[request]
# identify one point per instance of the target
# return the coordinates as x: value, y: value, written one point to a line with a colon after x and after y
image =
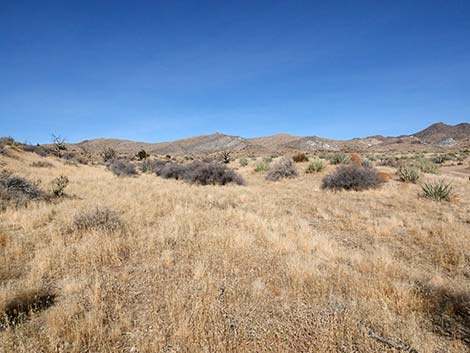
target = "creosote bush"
x: 108, y: 154
x: 315, y: 166
x: 58, y: 185
x: 409, y: 174
x: 352, y: 177
x: 99, y: 219
x: 438, y: 190
x: 142, y: 154
x: 122, y: 167
x: 283, y: 168
x: 300, y: 157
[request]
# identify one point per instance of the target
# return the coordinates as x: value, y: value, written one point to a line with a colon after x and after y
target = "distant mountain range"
x: 436, y: 136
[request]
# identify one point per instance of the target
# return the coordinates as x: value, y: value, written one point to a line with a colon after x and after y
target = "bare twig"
x: 392, y: 343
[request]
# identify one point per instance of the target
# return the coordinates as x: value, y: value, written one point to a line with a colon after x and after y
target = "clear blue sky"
x: 162, y: 70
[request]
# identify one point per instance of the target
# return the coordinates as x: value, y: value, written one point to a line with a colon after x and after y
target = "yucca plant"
x: 409, y: 174
x: 437, y: 190
x: 315, y: 167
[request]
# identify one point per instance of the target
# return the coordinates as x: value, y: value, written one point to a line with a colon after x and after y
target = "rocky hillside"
x: 438, y: 135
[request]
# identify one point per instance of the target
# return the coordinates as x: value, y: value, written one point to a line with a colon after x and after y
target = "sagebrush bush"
x: 99, y: 219
x: 18, y: 191
x: 339, y: 158
x: 315, y: 166
x: 214, y: 173
x: 300, y: 157
x: 282, y: 168
x: 438, y: 190
x: 41, y: 164
x: 171, y: 170
x: 408, y: 173
x: 201, y: 173
x: 352, y: 177
x: 58, y: 185
x: 121, y: 167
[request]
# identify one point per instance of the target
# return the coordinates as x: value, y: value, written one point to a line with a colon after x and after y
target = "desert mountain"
x: 438, y: 135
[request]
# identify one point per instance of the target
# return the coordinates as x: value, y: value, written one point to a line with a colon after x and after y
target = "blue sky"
x: 163, y: 70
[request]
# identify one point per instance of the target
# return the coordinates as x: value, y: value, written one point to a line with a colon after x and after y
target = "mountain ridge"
x: 438, y: 135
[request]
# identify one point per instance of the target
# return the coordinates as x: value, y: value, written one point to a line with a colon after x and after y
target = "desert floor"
x: 267, y: 267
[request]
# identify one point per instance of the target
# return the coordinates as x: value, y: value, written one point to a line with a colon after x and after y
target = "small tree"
x: 59, y: 145
x: 108, y: 154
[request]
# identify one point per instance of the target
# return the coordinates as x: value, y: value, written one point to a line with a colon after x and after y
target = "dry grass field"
x: 267, y: 267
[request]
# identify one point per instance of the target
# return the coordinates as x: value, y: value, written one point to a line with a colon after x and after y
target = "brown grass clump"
x: 356, y: 159
x: 385, y: 177
x: 300, y: 157
x: 98, y: 219
x: 42, y: 164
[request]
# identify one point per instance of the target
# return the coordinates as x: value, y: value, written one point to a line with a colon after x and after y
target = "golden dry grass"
x: 270, y: 267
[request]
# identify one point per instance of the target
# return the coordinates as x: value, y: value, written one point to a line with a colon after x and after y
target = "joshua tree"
x: 225, y: 155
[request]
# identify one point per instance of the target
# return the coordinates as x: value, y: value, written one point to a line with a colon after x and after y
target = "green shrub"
x: 315, y: 167
x: 409, y: 174
x: 339, y: 158
x: 426, y: 166
x: 243, y: 162
x: 142, y: 154
x: 437, y: 190
x: 261, y: 166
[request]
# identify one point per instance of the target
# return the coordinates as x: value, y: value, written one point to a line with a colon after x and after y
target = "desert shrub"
x: 339, y: 158
x: 390, y: 162
x: 214, y: 173
x: 441, y: 158
x: 121, y: 167
x: 99, y: 219
x: 261, y: 166
x: 437, y: 190
x: 243, y: 162
x: 283, y: 168
x: 151, y: 166
x: 172, y: 170
x: 42, y: 151
x: 58, y: 185
x: 315, y: 167
x: 17, y: 191
x: 41, y: 164
x: 142, y: 154
x: 7, y: 141
x: 356, y: 159
x: 409, y: 173
x: 300, y: 157
x: 267, y: 160
x: 426, y: 166
x: 108, y: 154
x: 352, y: 177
